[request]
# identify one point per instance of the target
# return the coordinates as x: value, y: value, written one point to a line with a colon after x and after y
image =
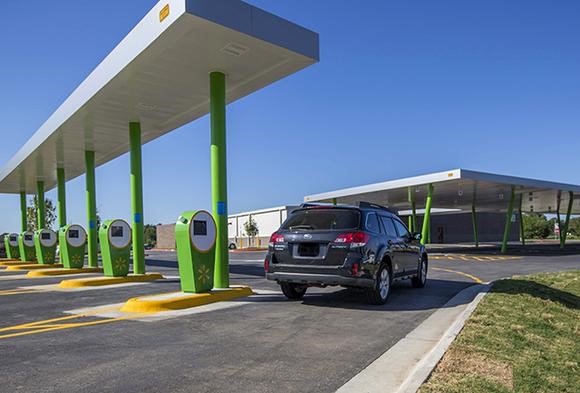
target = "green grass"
x: 523, y: 337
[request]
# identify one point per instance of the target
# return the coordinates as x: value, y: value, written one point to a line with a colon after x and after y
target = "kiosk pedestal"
x: 115, y: 240
x: 26, y: 247
x: 72, y: 240
x: 195, y: 235
x: 45, y: 244
x: 12, y: 248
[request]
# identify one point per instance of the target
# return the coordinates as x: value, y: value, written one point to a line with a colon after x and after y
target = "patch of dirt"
x: 460, y: 362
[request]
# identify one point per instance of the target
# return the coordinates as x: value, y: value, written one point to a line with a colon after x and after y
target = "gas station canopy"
x: 454, y: 190
x: 159, y: 76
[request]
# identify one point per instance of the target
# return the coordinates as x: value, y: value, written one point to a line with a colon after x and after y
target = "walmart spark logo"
x: 203, y: 274
x: 121, y: 264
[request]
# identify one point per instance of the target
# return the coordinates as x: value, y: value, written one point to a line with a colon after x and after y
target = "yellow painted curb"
x: 101, y: 281
x: 149, y: 304
x: 14, y: 262
x: 33, y: 266
x: 61, y: 272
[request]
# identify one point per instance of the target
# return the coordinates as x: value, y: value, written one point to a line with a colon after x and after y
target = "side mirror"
x: 417, y: 236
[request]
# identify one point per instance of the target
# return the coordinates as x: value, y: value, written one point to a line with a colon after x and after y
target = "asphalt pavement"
x: 264, y: 343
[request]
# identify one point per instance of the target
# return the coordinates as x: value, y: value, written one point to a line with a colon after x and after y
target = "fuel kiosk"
x: 11, y: 243
x: 26, y: 246
x: 72, y: 240
x: 195, y: 235
x: 45, y: 244
x: 115, y: 240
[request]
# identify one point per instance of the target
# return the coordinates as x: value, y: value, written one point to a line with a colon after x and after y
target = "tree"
x: 98, y: 216
x: 251, y: 228
x: 32, y: 217
x: 574, y: 226
x: 150, y: 235
x: 537, y: 226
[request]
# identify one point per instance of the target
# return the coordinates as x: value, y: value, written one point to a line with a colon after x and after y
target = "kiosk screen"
x: 116, y: 231
x: 73, y: 234
x: 45, y: 236
x: 199, y: 228
x: 28, y: 238
x: 13, y: 238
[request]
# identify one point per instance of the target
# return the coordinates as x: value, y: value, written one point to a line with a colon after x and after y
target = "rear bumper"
x: 320, y: 279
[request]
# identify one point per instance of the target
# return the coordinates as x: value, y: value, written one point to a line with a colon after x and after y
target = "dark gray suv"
x: 365, y: 246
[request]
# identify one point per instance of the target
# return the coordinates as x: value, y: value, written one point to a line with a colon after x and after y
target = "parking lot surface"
x: 263, y: 343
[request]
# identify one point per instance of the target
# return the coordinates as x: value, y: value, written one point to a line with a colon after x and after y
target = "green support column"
x: 564, y: 233
x: 41, y: 213
x: 558, y: 218
x: 23, y: 220
x: 413, y: 217
x: 61, y: 197
x: 219, y: 190
x: 334, y: 201
x: 91, y: 209
x: 474, y: 220
x: 521, y: 215
x: 137, y: 199
x: 427, y: 216
x: 508, y: 221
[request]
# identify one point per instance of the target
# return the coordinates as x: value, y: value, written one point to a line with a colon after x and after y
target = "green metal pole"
x: 567, y: 222
x: 23, y: 219
x: 91, y: 209
x: 41, y: 213
x: 508, y: 221
x: 522, y: 232
x: 334, y: 202
x: 61, y: 197
x: 413, y: 217
x: 137, y: 198
x: 474, y: 220
x: 558, y: 204
x: 219, y: 190
x: 427, y: 216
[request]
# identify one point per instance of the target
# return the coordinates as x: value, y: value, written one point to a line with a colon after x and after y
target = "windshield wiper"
x: 301, y: 227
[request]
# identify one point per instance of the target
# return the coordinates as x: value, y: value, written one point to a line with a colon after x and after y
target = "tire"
x: 420, y: 279
x: 380, y: 292
x: 293, y: 291
x: 232, y: 246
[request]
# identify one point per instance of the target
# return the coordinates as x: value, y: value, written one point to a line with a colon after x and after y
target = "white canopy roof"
x: 455, y: 189
x: 159, y: 75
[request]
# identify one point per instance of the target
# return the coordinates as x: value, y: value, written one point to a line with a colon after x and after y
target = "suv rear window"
x: 322, y: 219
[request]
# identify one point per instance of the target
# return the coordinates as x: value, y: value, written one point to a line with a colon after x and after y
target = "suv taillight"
x: 276, y: 238
x: 266, y: 265
x: 355, y: 239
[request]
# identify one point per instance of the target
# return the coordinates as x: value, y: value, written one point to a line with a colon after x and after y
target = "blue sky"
x: 402, y: 88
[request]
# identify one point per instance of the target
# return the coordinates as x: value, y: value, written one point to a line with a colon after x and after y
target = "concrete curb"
x: 408, y: 363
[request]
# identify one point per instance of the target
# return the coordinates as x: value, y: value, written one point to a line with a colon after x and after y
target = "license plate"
x: 308, y: 250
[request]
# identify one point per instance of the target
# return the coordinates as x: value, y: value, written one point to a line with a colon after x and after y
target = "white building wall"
x: 268, y: 221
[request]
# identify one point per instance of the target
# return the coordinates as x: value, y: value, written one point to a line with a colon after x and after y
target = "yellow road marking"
x: 17, y: 291
x: 47, y: 325
x: 70, y: 326
x: 474, y: 258
x: 477, y: 280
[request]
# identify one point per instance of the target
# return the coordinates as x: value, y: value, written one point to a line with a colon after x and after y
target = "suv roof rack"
x: 376, y: 206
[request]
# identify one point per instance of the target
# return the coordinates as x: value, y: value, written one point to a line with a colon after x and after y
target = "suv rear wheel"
x: 293, y: 291
x: 420, y: 279
x: 379, y: 293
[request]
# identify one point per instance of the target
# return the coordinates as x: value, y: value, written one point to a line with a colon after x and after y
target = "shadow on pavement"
x: 249, y: 270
